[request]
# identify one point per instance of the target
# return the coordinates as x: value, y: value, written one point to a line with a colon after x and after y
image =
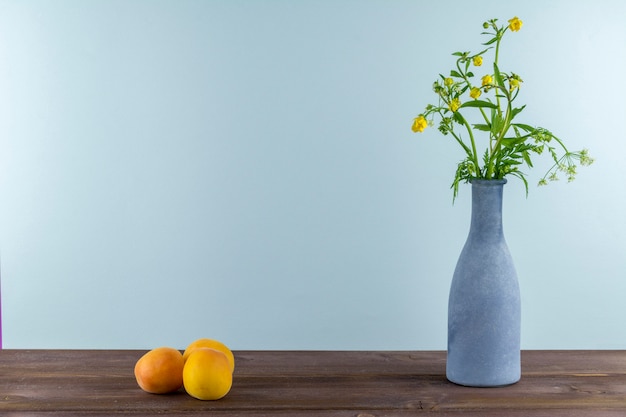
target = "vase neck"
x: 487, y: 206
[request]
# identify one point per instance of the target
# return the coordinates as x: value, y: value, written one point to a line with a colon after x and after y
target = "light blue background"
x: 245, y: 170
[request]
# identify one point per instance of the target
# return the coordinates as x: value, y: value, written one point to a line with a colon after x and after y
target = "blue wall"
x: 245, y: 170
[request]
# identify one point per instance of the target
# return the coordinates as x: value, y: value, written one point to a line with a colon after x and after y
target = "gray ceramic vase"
x: 484, y: 312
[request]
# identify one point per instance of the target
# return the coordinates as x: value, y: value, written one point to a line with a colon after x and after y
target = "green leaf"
x: 521, y: 176
x: 470, y: 74
x: 479, y: 103
x: 517, y: 140
x: 525, y: 127
x: 497, y: 122
x: 489, y: 42
x: 498, y: 76
x: 458, y: 54
x: 483, y: 127
x: 455, y: 73
x: 508, y: 142
x: 527, y: 159
x: 516, y: 111
x: 458, y: 117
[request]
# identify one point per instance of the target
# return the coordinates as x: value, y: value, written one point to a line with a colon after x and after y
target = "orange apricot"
x: 207, y: 374
x: 213, y: 344
x: 160, y: 370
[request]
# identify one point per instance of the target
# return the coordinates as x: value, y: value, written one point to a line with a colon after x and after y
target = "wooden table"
x: 315, y: 383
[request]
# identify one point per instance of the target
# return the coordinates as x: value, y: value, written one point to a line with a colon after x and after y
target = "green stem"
x: 473, y: 154
x: 496, y: 62
x: 494, y: 147
x: 469, y: 85
x: 463, y: 145
x: 495, y: 150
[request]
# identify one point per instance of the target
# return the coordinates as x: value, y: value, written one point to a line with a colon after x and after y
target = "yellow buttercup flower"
x: 419, y: 124
x: 475, y: 93
x: 478, y: 61
x: 448, y: 82
x: 487, y: 80
x: 454, y: 105
x: 515, y: 24
x: 514, y: 83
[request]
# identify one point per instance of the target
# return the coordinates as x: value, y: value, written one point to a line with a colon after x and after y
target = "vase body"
x: 484, y: 308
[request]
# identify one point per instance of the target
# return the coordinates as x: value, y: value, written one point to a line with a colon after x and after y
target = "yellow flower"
x: 419, y: 124
x: 515, y: 24
x: 487, y: 80
x: 478, y: 61
x: 448, y: 82
x: 454, y: 105
x: 475, y: 93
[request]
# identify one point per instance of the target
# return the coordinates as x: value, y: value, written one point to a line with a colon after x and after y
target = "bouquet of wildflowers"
x: 509, y: 144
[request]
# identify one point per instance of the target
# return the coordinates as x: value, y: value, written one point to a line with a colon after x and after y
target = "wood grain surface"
x: 315, y: 383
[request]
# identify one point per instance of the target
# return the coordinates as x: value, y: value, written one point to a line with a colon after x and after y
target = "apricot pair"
x: 205, y: 369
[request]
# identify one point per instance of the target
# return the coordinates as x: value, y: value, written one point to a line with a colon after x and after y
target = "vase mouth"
x: 485, y: 182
